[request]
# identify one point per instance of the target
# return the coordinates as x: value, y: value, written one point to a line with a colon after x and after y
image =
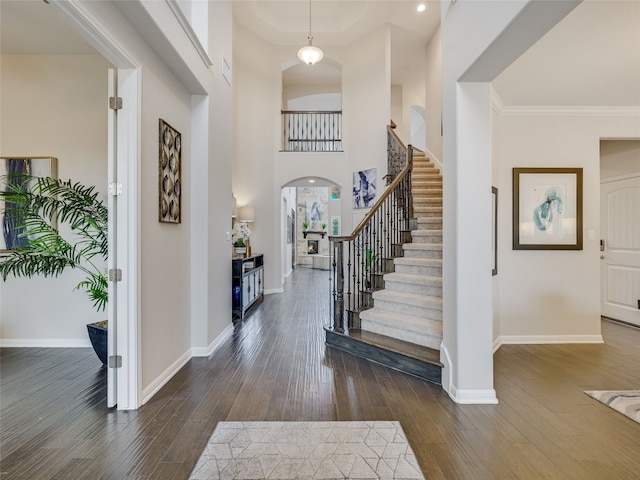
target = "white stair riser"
x: 428, y: 290
x: 407, y: 309
x: 429, y: 341
x: 427, y: 212
x: 430, y: 238
x: 425, y: 174
x: 429, y: 223
x: 427, y: 202
x: 433, y: 254
x: 419, y: 269
x: 427, y: 192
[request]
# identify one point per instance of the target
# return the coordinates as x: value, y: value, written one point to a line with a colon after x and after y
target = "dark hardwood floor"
x: 54, y: 424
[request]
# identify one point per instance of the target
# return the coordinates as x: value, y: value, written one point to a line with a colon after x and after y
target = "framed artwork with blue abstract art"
x: 12, y: 229
x: 547, y: 208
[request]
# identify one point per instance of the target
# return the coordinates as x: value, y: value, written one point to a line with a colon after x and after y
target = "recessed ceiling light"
x: 421, y: 8
x: 312, y: 181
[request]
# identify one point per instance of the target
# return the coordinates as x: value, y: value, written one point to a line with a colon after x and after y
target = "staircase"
x: 403, y: 330
x: 409, y: 307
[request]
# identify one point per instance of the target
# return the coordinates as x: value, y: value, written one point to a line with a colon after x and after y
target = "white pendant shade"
x: 310, y: 54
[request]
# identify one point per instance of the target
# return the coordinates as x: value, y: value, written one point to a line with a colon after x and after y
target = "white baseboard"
x: 219, y: 340
x: 473, y: 397
x: 496, y: 344
x: 274, y: 290
x: 168, y: 374
x: 165, y: 376
x: 44, y: 343
x: 545, y: 339
x: 447, y: 379
x: 464, y: 397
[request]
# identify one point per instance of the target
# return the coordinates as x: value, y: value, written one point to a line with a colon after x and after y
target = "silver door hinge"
x: 115, y: 189
x: 115, y: 275
x: 115, y: 103
x: 115, y: 361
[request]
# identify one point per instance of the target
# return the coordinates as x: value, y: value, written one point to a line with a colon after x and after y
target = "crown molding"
x: 561, y: 111
x: 571, y: 111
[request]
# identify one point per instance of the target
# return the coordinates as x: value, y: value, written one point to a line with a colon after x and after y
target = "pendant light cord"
x: 310, y: 36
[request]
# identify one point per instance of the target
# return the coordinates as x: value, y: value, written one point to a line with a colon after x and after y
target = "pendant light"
x: 310, y: 54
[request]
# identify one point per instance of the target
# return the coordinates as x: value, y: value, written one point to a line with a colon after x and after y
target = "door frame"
x: 129, y: 391
x: 619, y: 178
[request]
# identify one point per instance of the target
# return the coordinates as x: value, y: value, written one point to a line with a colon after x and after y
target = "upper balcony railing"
x: 305, y: 131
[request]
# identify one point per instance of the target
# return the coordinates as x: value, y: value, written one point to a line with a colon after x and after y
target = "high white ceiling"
x: 591, y: 58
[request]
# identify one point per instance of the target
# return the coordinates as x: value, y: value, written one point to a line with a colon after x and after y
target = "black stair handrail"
x: 368, y: 252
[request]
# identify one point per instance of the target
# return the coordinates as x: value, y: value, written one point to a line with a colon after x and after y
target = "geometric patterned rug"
x: 626, y: 402
x: 310, y: 450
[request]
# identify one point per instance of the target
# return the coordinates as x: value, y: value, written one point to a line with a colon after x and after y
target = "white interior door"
x: 112, y: 175
x: 620, y: 256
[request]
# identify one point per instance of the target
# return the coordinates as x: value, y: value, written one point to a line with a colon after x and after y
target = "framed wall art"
x: 364, y: 188
x: 170, y: 163
x: 547, y: 208
x: 11, y: 238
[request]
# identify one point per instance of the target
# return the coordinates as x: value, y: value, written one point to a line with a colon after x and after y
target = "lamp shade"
x: 234, y: 206
x: 246, y: 214
x: 310, y: 54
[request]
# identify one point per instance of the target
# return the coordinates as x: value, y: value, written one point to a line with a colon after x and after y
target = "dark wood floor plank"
x: 54, y: 423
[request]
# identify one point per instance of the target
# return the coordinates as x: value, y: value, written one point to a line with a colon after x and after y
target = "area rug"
x: 307, y: 450
x: 626, y: 402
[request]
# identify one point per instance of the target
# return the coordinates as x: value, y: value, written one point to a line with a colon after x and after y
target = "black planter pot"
x: 98, y: 336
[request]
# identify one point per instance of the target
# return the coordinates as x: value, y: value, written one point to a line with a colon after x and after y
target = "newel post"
x: 338, y: 275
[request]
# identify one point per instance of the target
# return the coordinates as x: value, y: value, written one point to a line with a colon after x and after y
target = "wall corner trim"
x: 213, y: 346
x: 165, y: 376
x: 474, y: 397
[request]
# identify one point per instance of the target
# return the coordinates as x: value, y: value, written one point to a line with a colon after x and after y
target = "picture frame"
x: 494, y: 230
x: 335, y: 225
x: 170, y: 178
x: 547, y: 208
x: 364, y: 188
x: 35, y: 166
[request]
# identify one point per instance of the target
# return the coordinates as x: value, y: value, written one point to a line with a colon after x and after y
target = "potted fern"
x: 36, y: 206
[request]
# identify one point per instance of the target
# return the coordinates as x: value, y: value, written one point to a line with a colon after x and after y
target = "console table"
x: 247, y: 283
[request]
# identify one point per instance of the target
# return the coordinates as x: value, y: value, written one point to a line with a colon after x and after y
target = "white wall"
x: 433, y: 95
x: 317, y: 102
x: 557, y: 294
x: 220, y: 158
x: 397, y: 115
x: 260, y: 170
x: 53, y: 105
x: 165, y: 255
x: 619, y: 157
x: 288, y: 208
x: 179, y: 84
x: 175, y: 80
x: 257, y: 104
x: 479, y: 39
